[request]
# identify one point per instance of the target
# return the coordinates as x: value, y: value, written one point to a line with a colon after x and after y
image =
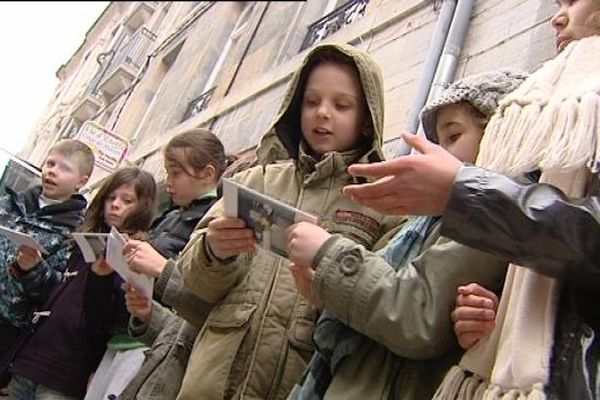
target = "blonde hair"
x: 78, y: 151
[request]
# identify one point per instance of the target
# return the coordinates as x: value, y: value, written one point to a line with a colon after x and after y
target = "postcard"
x: 21, y: 239
x: 114, y: 258
x: 91, y: 245
x: 268, y: 217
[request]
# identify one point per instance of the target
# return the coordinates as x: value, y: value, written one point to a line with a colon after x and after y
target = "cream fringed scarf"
x: 551, y: 122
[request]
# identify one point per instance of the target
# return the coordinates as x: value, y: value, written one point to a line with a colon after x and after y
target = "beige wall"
x: 254, y: 74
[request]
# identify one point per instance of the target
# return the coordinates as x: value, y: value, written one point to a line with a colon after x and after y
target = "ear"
x: 211, y: 172
x: 82, y: 181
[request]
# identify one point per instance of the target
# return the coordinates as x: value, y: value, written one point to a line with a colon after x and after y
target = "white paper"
x: 21, y: 239
x: 91, y: 244
x: 115, y: 258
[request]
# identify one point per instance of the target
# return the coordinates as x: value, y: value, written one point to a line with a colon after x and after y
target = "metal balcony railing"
x: 198, y: 104
x: 134, y: 52
x: 104, y: 59
x: 334, y: 21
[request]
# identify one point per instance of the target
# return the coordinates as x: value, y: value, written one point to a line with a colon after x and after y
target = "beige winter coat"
x: 256, y: 341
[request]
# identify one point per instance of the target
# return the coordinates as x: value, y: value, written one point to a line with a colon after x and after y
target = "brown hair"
x: 200, y: 147
x: 138, y: 220
x: 78, y: 151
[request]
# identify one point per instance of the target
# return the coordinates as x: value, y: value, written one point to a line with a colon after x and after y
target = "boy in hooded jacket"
x: 386, y: 331
x: 256, y: 341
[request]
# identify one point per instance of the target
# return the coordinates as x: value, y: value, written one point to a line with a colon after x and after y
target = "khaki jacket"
x: 256, y: 341
x: 406, y: 313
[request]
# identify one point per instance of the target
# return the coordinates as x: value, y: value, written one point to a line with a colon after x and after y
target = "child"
x: 63, y: 348
x: 48, y: 213
x: 546, y: 339
x: 257, y: 338
x: 386, y: 333
x: 194, y: 162
x: 171, y: 337
x: 573, y: 355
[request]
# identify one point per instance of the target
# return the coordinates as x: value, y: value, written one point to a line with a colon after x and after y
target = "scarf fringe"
x: 551, y: 121
x: 556, y: 136
x: 460, y: 385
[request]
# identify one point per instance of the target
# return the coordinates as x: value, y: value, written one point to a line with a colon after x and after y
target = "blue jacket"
x: 50, y: 226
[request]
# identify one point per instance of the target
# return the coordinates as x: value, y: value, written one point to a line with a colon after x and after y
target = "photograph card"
x: 268, y: 217
x: 21, y: 239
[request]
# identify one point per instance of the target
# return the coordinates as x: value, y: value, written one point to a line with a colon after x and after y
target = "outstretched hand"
x: 416, y: 184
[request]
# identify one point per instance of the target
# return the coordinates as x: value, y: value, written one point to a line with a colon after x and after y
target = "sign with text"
x: 109, y: 149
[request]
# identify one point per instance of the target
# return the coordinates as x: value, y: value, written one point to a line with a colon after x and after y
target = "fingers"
x: 473, y: 293
x: 227, y: 223
x: 381, y: 169
x: 419, y: 143
x: 131, y: 245
x: 472, y: 313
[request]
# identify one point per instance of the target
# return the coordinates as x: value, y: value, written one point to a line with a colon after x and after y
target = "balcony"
x: 334, y: 21
x: 127, y: 62
x: 91, y: 99
x: 140, y: 13
x: 198, y: 104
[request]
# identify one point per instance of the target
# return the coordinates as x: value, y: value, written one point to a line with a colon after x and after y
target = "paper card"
x: 268, y: 217
x: 21, y: 239
x: 115, y: 258
x: 91, y: 245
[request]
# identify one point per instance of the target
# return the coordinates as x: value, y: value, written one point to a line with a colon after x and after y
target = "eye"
x: 311, y: 102
x: 342, y: 106
x: 454, y: 137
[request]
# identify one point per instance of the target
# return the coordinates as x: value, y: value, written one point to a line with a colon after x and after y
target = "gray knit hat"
x: 483, y: 91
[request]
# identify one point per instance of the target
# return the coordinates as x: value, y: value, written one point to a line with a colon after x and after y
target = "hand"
x: 137, y: 303
x: 475, y: 314
x: 101, y: 268
x: 229, y: 237
x: 303, y: 241
x: 304, y: 277
x: 28, y: 258
x: 143, y: 258
x: 417, y: 184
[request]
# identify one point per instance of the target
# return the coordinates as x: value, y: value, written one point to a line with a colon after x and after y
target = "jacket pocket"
x: 216, y: 351
x: 299, y: 352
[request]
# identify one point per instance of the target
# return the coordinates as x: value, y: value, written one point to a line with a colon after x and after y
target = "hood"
x: 68, y: 213
x: 282, y: 140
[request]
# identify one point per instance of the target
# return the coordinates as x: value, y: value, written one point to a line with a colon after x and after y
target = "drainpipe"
x: 454, y: 43
x: 429, y: 69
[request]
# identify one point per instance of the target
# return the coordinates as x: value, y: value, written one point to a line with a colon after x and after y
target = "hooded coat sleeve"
x: 534, y: 225
x: 408, y: 309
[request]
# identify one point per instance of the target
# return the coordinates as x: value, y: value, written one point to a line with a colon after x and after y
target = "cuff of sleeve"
x: 211, y: 257
x: 466, y: 194
x: 147, y: 332
x: 160, y: 285
x: 340, y: 262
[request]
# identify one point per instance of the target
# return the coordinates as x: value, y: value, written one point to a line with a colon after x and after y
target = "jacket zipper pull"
x: 38, y: 315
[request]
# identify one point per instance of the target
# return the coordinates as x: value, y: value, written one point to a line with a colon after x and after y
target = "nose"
x: 323, y: 110
x: 115, y: 204
x: 559, y: 20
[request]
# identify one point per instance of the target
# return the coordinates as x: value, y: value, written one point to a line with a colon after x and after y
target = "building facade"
x: 149, y: 70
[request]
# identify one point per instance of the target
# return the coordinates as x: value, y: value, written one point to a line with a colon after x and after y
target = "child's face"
x: 459, y: 131
x: 119, y: 204
x: 333, y: 110
x: 182, y: 186
x: 61, y: 177
x: 575, y: 20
